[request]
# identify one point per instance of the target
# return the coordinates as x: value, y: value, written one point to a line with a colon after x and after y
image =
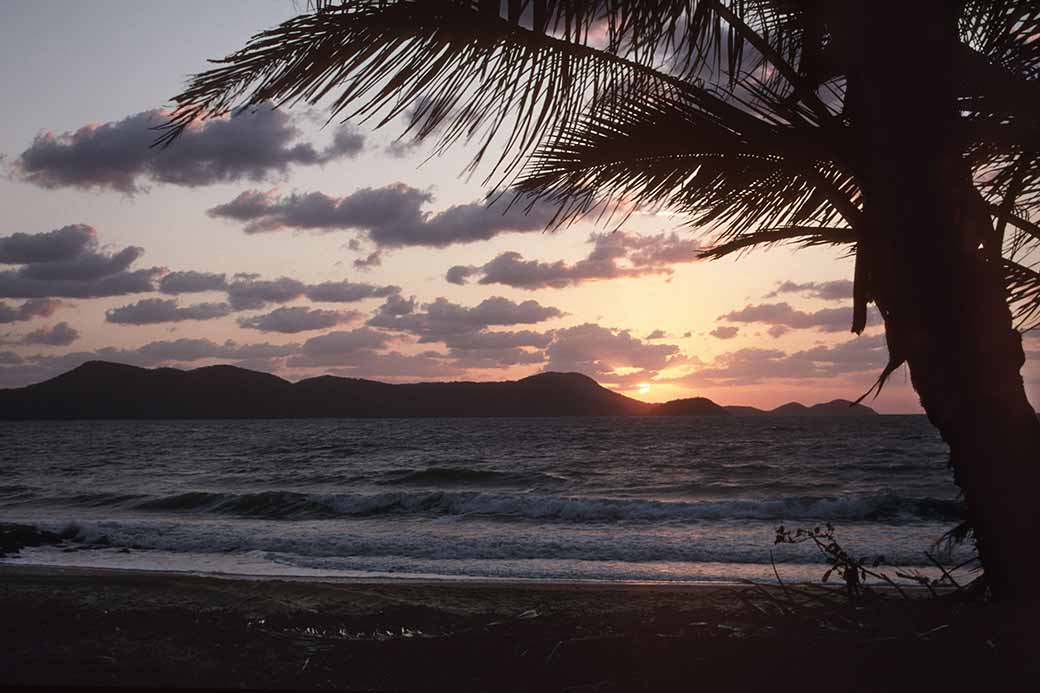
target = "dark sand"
x: 78, y: 627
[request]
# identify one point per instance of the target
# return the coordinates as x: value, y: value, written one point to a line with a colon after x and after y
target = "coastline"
x: 105, y: 627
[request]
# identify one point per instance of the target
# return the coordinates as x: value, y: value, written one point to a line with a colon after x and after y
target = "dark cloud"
x: 346, y: 143
x: 247, y: 292
x: 641, y: 255
x: 656, y: 334
x: 34, y: 308
x: 442, y: 318
x: 724, y: 332
x: 67, y: 263
x: 347, y: 292
x: 391, y: 217
x: 61, y: 334
x: 599, y: 352
x: 255, y: 145
x: 151, y: 311
x: 836, y: 290
x: 187, y: 350
x: 397, y: 304
x: 342, y: 348
x: 85, y: 266
x: 777, y: 331
x: 66, y: 243
x: 486, y: 341
x: 495, y: 358
x: 393, y: 365
x: 373, y: 259
x: 298, y: 319
x: 459, y: 274
x: 13, y: 284
x: 9, y: 358
x: 782, y: 314
x: 748, y: 366
x: 190, y: 282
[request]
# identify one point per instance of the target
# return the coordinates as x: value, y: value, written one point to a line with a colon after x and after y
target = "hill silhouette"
x: 104, y: 390
x: 836, y: 407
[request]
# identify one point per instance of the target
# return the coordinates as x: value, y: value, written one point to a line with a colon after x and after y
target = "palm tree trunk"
x: 934, y: 270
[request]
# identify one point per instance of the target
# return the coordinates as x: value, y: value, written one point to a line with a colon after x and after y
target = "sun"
x: 643, y: 388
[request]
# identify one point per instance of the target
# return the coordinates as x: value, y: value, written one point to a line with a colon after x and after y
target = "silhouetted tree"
x: 908, y: 130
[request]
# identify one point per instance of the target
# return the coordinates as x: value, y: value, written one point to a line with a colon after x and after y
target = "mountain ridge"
x: 107, y: 390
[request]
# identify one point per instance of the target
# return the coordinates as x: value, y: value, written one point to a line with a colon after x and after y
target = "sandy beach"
x: 103, y: 628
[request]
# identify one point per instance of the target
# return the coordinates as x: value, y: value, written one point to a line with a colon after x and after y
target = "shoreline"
x: 108, y: 627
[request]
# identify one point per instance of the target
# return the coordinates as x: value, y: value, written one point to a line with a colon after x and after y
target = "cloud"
x: 782, y: 314
x: 257, y: 145
x: 777, y: 331
x: 65, y: 243
x: 754, y: 365
x: 85, y: 266
x: 602, y: 352
x: 836, y: 290
x: 298, y: 319
x: 642, y: 255
x: 656, y: 334
x: 339, y: 348
x: 459, y: 274
x: 189, y: 282
x: 34, y: 308
x: 9, y: 358
x: 15, y: 285
x: 495, y: 358
x: 373, y: 259
x: 61, y: 334
x: 391, y: 216
x: 397, y: 366
x: 151, y: 311
x: 442, y: 318
x: 724, y: 332
x: 67, y: 263
x: 347, y: 292
x: 247, y: 292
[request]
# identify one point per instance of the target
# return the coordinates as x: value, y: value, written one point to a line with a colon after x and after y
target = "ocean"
x: 630, y: 499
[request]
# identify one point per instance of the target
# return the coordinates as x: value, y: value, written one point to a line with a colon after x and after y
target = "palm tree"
x: 908, y: 131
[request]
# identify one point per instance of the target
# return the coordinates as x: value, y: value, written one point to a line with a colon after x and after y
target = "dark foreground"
x: 120, y: 628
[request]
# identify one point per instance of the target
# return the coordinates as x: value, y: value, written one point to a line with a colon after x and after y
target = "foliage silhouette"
x: 907, y: 132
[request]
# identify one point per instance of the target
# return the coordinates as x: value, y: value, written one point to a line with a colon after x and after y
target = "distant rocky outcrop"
x: 103, y: 390
x: 694, y: 406
x: 836, y: 407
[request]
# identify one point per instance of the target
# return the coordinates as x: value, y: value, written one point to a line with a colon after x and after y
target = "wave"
x: 394, y: 546
x: 290, y: 505
x: 459, y: 476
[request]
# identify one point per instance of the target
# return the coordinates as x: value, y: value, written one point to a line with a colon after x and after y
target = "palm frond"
x: 802, y: 236
x: 527, y: 73
x: 732, y: 169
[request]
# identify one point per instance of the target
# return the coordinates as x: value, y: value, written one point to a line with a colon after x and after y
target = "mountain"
x: 837, y: 407
x: 738, y: 410
x: 694, y: 406
x: 103, y: 390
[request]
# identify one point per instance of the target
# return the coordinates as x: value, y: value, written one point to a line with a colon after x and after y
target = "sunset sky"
x: 274, y: 242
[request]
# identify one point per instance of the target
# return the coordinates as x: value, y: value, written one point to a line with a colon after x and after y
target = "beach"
x: 102, y: 628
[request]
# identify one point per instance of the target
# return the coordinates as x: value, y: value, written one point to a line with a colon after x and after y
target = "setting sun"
x: 643, y: 388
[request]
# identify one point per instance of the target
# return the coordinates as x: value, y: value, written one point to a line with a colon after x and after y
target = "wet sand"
x: 102, y: 628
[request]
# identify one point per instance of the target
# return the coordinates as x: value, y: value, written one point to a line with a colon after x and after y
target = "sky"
x: 278, y: 242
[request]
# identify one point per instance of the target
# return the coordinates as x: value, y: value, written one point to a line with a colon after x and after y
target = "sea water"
x: 610, y: 499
